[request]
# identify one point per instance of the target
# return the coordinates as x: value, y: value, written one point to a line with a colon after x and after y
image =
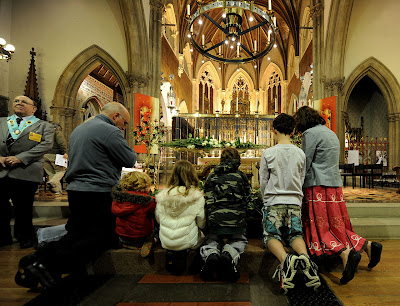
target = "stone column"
x: 318, y: 48
x: 334, y: 87
x: 394, y: 143
x: 156, y: 9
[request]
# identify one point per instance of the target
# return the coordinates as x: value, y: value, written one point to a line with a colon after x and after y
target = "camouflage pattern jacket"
x: 227, y: 191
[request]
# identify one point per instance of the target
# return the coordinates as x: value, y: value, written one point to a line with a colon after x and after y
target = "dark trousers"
x: 22, y: 194
x: 91, y: 231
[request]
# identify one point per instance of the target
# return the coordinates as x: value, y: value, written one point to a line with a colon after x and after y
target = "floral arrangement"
x: 207, y: 143
x: 149, y: 134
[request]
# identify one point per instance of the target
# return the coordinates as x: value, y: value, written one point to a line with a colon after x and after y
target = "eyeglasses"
x: 23, y: 102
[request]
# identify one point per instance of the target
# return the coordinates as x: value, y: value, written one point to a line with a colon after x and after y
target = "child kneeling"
x: 180, y: 213
x: 227, y: 191
x: 134, y: 208
x: 282, y: 172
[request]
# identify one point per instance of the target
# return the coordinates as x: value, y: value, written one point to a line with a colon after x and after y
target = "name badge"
x: 35, y: 137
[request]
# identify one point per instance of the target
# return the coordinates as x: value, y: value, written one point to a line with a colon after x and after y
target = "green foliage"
x: 207, y: 143
x: 255, y: 205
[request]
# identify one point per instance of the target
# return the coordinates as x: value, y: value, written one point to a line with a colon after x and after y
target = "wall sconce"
x: 6, y: 50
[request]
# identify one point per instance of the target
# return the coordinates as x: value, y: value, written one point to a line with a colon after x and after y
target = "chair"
x: 347, y: 170
x: 372, y: 171
x: 359, y: 170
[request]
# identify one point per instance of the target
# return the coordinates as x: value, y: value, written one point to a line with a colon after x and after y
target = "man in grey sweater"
x: 97, y: 153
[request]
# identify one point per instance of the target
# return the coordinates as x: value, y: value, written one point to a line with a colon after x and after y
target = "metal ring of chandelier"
x: 232, y: 30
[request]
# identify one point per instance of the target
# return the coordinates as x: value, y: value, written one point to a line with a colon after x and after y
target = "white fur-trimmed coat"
x: 180, y: 218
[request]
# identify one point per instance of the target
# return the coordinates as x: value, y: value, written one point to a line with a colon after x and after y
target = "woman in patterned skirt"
x: 326, y: 223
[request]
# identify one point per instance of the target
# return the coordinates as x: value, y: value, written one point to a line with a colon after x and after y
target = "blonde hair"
x: 135, y: 181
x: 183, y: 174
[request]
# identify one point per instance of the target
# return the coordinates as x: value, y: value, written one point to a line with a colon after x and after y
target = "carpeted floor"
x: 356, y: 195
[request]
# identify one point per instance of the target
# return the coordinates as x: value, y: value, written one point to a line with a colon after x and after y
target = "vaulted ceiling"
x: 286, y: 12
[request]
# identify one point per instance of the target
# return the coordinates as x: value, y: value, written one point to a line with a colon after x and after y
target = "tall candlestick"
x: 255, y: 45
x: 276, y: 105
x: 203, y: 39
x: 188, y: 9
x: 269, y: 5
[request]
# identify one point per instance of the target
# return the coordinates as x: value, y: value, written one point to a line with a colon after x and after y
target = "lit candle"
x: 274, y: 21
x: 269, y: 36
x: 203, y: 39
x: 255, y: 45
x: 188, y: 9
x: 191, y: 28
x: 276, y: 105
x: 219, y: 50
x: 269, y: 5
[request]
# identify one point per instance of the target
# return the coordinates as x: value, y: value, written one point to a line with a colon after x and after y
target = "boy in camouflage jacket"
x: 227, y: 191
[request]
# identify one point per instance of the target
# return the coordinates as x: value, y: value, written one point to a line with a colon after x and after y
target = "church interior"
x: 219, y: 72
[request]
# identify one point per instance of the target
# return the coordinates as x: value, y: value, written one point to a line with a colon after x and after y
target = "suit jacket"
x: 29, y: 152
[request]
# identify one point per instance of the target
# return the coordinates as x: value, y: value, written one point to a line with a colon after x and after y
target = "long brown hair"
x: 183, y: 174
x: 306, y: 118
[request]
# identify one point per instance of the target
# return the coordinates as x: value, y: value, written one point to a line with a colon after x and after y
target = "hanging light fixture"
x: 232, y: 39
x: 6, y: 50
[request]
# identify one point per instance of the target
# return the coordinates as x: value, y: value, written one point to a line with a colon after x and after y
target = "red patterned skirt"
x: 326, y: 223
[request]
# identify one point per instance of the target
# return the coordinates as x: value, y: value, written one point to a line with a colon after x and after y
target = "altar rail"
x: 249, y: 128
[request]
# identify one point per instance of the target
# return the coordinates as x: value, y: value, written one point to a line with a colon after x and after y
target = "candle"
x: 269, y: 36
x: 255, y: 45
x: 274, y: 21
x: 188, y: 9
x: 237, y: 50
x: 237, y: 102
x: 219, y: 50
x: 191, y: 28
x: 269, y: 5
x: 203, y: 38
x: 276, y: 105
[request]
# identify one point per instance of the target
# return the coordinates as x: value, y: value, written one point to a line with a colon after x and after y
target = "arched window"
x: 274, y: 92
x: 206, y: 96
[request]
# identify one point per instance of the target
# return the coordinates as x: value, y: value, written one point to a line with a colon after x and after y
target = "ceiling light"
x: 233, y: 28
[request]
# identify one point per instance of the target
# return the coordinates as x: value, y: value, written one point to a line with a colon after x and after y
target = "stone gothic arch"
x: 390, y: 89
x: 63, y: 108
x: 264, y: 84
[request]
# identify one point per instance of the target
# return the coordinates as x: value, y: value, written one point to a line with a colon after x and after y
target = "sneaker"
x: 286, y: 272
x: 310, y: 270
x: 228, y: 270
x: 210, y: 267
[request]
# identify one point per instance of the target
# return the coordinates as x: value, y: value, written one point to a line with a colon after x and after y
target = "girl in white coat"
x: 180, y: 209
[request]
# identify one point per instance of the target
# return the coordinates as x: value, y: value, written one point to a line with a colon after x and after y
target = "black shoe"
x: 24, y: 244
x: 210, y: 267
x: 376, y: 251
x: 351, y: 266
x: 310, y: 270
x: 25, y: 278
x: 6, y: 242
x: 228, y: 270
x: 286, y: 272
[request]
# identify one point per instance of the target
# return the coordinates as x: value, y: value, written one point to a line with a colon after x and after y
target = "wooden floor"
x: 381, y: 286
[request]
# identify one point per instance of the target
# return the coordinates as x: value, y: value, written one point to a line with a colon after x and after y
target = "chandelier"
x: 6, y: 50
x: 232, y: 31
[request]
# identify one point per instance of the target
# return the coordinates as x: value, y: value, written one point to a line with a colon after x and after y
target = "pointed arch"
x: 382, y: 77
x: 241, y: 73
x: 390, y: 89
x: 64, y: 107
x: 293, y: 104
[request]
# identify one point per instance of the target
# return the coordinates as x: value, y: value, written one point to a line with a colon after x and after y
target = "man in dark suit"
x: 24, y: 139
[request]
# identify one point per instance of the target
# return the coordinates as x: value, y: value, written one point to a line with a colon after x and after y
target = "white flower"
x: 191, y: 146
x: 204, y: 143
x: 227, y: 144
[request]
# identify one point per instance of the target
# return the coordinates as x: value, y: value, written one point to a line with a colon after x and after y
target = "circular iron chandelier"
x: 231, y: 42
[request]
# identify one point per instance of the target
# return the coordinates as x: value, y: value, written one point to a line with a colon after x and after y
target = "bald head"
x: 117, y: 113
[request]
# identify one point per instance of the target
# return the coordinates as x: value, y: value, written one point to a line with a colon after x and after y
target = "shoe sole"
x: 287, y: 284
x: 303, y: 263
x: 228, y: 270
